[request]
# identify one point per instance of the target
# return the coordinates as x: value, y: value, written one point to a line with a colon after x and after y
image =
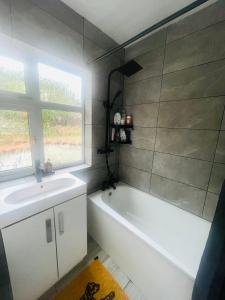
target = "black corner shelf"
x: 125, y: 126
x: 122, y: 143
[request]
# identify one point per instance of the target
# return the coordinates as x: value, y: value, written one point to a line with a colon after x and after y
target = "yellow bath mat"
x: 94, y: 283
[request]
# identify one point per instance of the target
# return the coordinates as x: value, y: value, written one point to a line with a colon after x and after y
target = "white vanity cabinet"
x: 71, y: 233
x: 44, y: 247
x: 31, y: 255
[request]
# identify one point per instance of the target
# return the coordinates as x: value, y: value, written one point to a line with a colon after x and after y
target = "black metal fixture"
x: 128, y: 69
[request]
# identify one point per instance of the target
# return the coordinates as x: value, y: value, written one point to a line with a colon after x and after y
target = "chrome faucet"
x: 38, y: 171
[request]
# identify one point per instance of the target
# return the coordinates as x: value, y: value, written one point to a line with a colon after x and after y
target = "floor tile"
x: 133, y: 292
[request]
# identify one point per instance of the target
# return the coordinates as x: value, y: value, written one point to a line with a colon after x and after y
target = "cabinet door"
x: 71, y: 233
x: 31, y: 255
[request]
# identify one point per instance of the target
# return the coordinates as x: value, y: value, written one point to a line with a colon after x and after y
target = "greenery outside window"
x: 41, y: 115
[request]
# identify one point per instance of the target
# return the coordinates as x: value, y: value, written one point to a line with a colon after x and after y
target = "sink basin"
x: 37, y: 190
x: 19, y: 202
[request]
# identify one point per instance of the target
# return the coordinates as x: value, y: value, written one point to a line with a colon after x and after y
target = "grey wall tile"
x: 144, y: 138
x: 64, y: 13
x: 217, y: 178
x: 137, y: 158
x: 98, y: 113
x: 182, y: 195
x: 188, y: 121
x: 97, y: 36
x: 5, y: 17
x: 145, y: 115
x: 145, y: 91
x: 199, y: 114
x: 152, y: 64
x: 195, y: 49
x: 98, y: 160
x: 223, y: 123
x: 210, y: 206
x: 36, y: 27
x: 200, y: 144
x: 93, y: 177
x: 98, y: 136
x: 196, y: 82
x: 134, y: 177
x: 220, y: 150
x: 201, y: 19
x: 186, y: 170
x: 99, y: 87
x: 91, y: 50
x: 100, y: 71
x: 151, y: 42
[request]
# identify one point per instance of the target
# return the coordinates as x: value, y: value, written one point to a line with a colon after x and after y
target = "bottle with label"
x: 48, y: 167
x: 129, y: 120
x: 113, y: 134
x: 123, y: 135
x: 117, y: 118
x: 123, y: 117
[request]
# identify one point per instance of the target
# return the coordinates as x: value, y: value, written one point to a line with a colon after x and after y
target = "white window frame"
x: 32, y: 104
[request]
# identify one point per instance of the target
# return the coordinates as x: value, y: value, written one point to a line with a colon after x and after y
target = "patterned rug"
x: 94, y: 283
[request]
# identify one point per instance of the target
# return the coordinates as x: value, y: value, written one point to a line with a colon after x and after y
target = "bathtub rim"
x: 98, y: 201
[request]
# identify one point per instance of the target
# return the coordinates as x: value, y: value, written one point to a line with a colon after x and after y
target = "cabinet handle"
x: 48, y: 224
x: 61, y: 223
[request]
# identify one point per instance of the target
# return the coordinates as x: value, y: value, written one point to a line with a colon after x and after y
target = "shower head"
x: 130, y: 68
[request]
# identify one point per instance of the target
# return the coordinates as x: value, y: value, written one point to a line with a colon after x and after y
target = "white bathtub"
x: 158, y: 245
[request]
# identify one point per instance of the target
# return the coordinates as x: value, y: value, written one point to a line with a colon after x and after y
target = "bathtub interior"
x: 180, y: 233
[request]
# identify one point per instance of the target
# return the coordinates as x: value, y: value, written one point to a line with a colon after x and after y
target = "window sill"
x: 72, y: 169
x: 29, y: 179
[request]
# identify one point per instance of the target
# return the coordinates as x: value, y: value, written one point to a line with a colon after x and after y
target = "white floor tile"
x: 116, y: 272
x: 133, y: 292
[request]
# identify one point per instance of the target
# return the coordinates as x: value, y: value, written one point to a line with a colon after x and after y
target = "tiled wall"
x: 55, y: 28
x: 177, y: 101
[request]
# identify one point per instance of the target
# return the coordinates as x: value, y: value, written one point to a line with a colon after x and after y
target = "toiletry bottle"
x: 123, y: 117
x: 122, y: 135
x: 129, y: 120
x: 48, y: 167
x: 117, y: 118
x: 113, y: 134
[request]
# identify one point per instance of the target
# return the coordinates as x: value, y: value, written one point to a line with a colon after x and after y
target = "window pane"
x: 58, y: 86
x: 62, y: 136
x: 15, y: 150
x: 11, y: 75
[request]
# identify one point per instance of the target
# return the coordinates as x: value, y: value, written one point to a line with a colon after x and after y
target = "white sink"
x: 21, y: 201
x: 42, y: 189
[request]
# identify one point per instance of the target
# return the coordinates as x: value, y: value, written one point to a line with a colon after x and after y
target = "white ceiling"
x: 122, y: 19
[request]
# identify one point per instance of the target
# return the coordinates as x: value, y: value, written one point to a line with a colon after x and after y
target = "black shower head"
x: 130, y: 68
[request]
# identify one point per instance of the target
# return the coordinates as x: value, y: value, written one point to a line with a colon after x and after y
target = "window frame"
x: 31, y: 103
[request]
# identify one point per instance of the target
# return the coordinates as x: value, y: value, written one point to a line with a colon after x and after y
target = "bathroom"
x: 112, y: 149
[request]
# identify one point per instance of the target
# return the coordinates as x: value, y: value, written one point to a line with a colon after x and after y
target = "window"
x: 44, y: 123
x: 58, y: 86
x: 62, y: 136
x: 11, y: 75
x: 15, y: 149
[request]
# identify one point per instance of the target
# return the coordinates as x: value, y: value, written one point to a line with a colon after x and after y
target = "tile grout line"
x: 172, y: 154
x: 194, y: 32
x: 213, y: 162
x: 186, y: 35
x: 157, y: 119
x: 180, y: 70
x: 180, y: 100
x: 171, y: 179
